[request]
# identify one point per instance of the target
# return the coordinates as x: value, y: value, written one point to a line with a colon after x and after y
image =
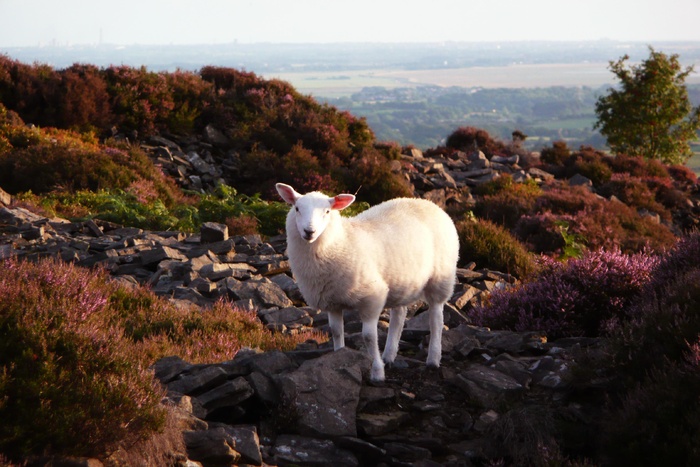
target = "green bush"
x: 143, y: 208
x: 493, y: 247
x: 226, y: 203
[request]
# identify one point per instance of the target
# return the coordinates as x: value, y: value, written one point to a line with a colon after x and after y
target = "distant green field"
x: 338, y: 84
x: 568, y: 124
x: 694, y: 162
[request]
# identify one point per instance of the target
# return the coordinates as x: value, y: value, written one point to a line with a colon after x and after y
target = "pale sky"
x: 127, y: 22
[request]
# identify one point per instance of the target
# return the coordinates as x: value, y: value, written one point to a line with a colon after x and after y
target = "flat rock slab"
x: 380, y: 424
x: 299, y: 450
x: 325, y: 392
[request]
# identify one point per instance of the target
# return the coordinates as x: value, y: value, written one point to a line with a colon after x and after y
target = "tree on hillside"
x: 649, y: 114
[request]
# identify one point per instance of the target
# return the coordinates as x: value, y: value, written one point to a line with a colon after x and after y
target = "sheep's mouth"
x: 309, y: 235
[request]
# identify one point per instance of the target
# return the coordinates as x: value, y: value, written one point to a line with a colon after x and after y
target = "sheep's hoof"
x: 433, y: 362
x: 376, y: 383
x: 432, y: 370
x: 377, y: 374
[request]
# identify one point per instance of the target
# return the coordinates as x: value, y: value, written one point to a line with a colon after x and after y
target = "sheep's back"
x: 413, y: 243
x: 405, y: 247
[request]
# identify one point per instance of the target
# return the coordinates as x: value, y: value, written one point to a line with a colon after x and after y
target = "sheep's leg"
x: 335, y: 321
x: 369, y: 336
x: 436, y: 323
x: 396, y: 322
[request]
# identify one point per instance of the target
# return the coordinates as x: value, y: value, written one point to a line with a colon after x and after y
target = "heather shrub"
x: 190, y: 95
x: 29, y: 90
x: 505, y: 182
x: 667, y: 317
x: 46, y: 167
x: 50, y: 160
x: 663, y: 323
x: 528, y: 435
x: 597, y: 222
x: 84, y: 101
x: 638, y: 166
x: 505, y: 201
x: 541, y: 233
x: 157, y: 328
x: 74, y: 353
x: 560, y: 198
x: 679, y: 260
x: 372, y: 172
x: 70, y: 384
x: 590, y: 163
x: 141, y: 100
x: 655, y: 360
x: 304, y: 171
x: 493, y: 247
x: 468, y: 139
x: 576, y: 298
x: 245, y: 224
x: 657, y: 421
x: 627, y: 229
x: 635, y: 193
x: 557, y: 154
x: 682, y: 174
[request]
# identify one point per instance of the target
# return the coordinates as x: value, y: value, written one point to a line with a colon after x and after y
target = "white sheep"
x: 389, y: 256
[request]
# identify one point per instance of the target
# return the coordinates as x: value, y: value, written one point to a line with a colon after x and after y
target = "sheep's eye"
x: 296, y: 208
x: 328, y: 211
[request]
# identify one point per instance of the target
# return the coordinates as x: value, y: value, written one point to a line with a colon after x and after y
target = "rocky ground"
x: 497, y: 396
x: 493, y: 398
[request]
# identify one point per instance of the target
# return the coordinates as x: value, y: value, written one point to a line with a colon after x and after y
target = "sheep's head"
x: 312, y: 211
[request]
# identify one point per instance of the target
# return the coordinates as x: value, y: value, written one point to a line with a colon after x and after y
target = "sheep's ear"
x: 342, y: 201
x: 288, y: 194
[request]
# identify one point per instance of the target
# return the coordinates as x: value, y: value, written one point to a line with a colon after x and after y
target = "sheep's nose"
x: 309, y: 233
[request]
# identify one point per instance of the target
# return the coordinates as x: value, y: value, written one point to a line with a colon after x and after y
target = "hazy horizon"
x: 31, y: 23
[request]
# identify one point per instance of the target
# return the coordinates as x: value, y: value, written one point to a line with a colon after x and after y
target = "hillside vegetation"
x: 88, y: 142
x: 589, y: 240
x: 273, y: 132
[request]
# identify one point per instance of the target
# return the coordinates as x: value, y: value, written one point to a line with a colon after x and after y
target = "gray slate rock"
x: 300, y: 450
x: 229, y: 394
x: 212, y: 447
x: 247, y: 443
x: 211, y: 232
x: 325, y: 392
x: 198, y: 380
